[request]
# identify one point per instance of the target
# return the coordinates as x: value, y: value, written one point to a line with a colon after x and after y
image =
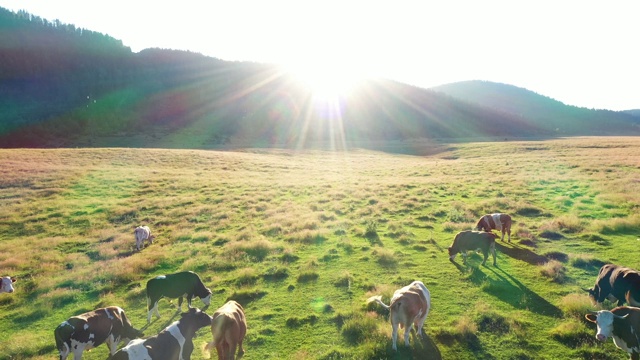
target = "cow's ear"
x: 591, y: 317
x: 13, y: 279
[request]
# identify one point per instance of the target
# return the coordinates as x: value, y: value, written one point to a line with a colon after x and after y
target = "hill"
x: 539, y: 109
x: 90, y: 90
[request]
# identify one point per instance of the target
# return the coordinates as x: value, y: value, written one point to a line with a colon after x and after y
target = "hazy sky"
x: 584, y: 53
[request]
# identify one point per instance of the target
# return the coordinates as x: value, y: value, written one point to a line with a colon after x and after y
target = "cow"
x: 143, y: 233
x: 622, y: 324
x: 473, y: 240
x: 6, y: 284
x: 616, y: 283
x: 175, y: 342
x: 409, y: 306
x: 108, y: 325
x: 228, y: 327
x: 175, y: 286
x: 500, y: 222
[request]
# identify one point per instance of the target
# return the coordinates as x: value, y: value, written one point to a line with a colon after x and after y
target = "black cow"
x: 88, y: 330
x: 175, y: 286
x: 175, y: 342
x: 622, y: 324
x: 616, y: 283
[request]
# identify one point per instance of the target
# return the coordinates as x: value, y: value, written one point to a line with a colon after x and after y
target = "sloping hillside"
x: 90, y: 90
x: 541, y: 110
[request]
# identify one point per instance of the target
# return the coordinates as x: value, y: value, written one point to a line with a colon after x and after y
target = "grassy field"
x: 302, y: 239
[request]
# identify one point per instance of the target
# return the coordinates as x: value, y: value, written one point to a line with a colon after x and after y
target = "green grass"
x: 302, y: 239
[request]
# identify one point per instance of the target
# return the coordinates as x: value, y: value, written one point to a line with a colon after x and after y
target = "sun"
x: 326, y: 81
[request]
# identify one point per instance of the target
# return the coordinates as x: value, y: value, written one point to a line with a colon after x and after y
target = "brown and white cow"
x: 175, y: 342
x: 471, y: 241
x: 228, y: 327
x: 6, y: 284
x: 143, y: 233
x: 83, y: 332
x: 622, y: 324
x: 500, y: 222
x: 409, y: 306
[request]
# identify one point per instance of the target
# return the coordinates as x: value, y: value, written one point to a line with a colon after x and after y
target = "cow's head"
x: 595, y: 294
x: 207, y: 299
x: 131, y: 333
x: 604, y: 320
x: 6, y: 284
x: 452, y: 253
x: 196, y: 318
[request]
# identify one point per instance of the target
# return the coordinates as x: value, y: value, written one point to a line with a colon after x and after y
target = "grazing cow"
x: 175, y: 286
x: 500, y: 222
x: 228, y: 327
x: 89, y: 330
x: 6, y: 284
x: 409, y: 306
x: 143, y: 233
x: 616, y: 283
x: 622, y: 324
x: 175, y: 342
x: 473, y: 240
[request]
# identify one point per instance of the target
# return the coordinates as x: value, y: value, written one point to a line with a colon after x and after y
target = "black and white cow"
x: 175, y: 342
x: 622, y: 324
x: 108, y: 325
x: 6, y: 284
x: 616, y: 283
x: 186, y: 283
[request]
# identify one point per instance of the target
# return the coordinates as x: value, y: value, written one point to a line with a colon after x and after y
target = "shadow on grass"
x: 424, y: 347
x: 513, y: 292
x: 521, y: 253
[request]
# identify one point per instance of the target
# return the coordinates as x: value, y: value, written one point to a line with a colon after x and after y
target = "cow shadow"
x: 512, y: 291
x: 521, y: 253
x: 423, y: 348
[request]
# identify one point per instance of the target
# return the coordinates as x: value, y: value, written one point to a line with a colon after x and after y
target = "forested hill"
x: 64, y: 86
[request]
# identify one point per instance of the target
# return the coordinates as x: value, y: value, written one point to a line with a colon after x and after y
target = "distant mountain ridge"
x: 64, y: 86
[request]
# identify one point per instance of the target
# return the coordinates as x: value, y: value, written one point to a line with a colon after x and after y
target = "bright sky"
x: 581, y: 52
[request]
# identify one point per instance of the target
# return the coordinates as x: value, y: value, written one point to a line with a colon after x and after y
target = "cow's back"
x: 472, y: 240
x: 172, y: 285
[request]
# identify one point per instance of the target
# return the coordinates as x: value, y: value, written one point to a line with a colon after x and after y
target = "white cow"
x: 6, y: 284
x: 409, y: 305
x: 143, y: 233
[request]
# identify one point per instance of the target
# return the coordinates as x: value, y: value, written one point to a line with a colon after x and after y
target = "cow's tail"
x: 61, y: 333
x: 378, y: 299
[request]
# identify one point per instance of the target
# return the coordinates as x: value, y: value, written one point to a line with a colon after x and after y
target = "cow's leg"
x: 492, y: 248
x: 65, y: 352
x: 232, y: 349
x: 464, y: 257
x: 394, y: 335
x: 509, y: 232
x: 152, y: 310
x: 189, y: 297
x: 485, y: 254
x: 77, y: 353
x: 180, y: 299
x: 407, y: 331
x: 112, y: 343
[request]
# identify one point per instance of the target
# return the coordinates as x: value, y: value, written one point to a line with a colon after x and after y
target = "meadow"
x: 303, y: 238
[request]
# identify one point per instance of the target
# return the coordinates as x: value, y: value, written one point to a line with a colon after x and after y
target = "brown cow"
x: 409, y: 306
x: 473, y: 240
x: 500, y: 222
x: 622, y: 324
x: 228, y: 327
